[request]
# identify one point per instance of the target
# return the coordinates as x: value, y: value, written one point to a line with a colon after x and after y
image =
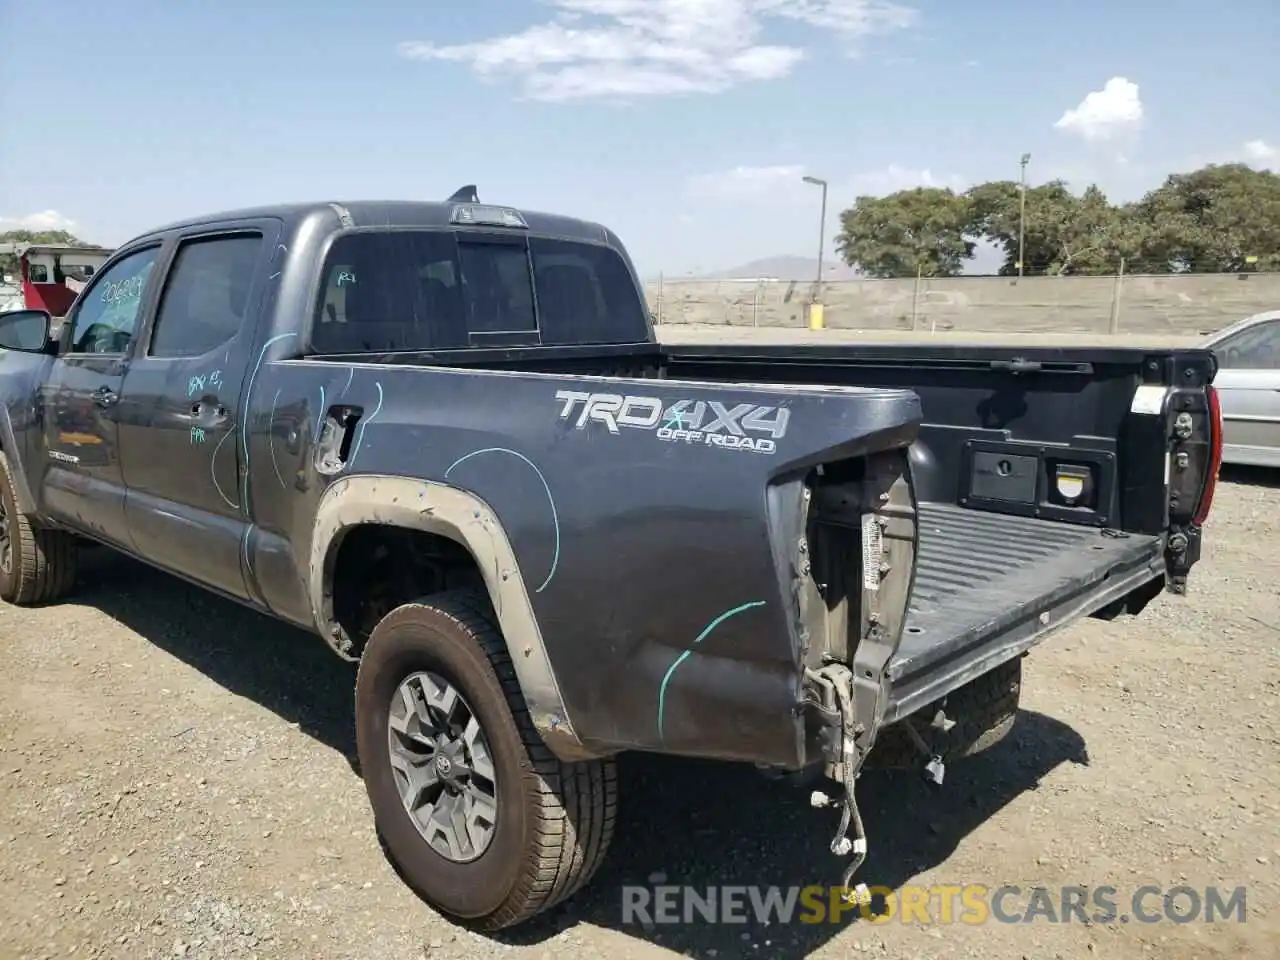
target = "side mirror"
x: 25, y: 330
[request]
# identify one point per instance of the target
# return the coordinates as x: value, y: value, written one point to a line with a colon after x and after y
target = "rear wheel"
x: 37, y: 565
x: 477, y: 814
x: 983, y: 710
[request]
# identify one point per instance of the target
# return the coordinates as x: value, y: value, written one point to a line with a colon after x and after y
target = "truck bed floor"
x: 989, y: 586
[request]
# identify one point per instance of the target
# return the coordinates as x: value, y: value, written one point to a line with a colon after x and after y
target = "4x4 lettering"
x: 726, y: 418
x: 684, y: 415
x: 758, y: 419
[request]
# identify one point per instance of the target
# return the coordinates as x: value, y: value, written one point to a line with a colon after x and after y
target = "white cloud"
x: 43, y: 220
x: 1261, y: 154
x: 878, y: 183
x: 617, y: 49
x: 1103, y: 113
x: 748, y: 183
x: 782, y: 183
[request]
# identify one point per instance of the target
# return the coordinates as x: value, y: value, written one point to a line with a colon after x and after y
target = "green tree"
x: 1213, y: 220
x: 9, y: 263
x: 1064, y: 233
x: 920, y: 230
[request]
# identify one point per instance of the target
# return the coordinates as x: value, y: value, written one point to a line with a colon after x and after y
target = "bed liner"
x: 990, y: 586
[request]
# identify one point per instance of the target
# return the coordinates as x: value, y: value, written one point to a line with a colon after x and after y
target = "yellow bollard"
x: 815, y: 316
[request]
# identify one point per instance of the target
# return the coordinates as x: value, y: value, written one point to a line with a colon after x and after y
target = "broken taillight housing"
x: 1215, y: 457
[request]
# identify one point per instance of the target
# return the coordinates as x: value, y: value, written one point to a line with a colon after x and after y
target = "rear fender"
x: 466, y: 519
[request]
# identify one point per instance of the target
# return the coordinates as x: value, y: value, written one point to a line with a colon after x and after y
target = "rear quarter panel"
x: 649, y: 562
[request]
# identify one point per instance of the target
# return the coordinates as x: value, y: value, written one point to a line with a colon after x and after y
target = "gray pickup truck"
x: 443, y: 437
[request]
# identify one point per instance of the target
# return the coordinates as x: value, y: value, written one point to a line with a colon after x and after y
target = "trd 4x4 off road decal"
x: 743, y: 426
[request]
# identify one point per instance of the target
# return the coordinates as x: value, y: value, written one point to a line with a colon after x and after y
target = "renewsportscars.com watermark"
x: 969, y: 904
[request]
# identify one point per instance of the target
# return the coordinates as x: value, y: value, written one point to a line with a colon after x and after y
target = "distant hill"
x: 786, y: 268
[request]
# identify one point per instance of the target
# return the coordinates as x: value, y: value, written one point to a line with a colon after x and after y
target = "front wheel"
x: 37, y: 565
x: 478, y: 815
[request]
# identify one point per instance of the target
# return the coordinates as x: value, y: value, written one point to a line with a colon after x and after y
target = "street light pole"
x: 1022, y: 214
x: 822, y: 234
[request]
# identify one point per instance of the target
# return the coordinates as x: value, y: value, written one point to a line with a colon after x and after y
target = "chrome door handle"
x: 104, y: 396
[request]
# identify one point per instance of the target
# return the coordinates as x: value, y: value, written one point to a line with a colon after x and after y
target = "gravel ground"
x: 177, y: 779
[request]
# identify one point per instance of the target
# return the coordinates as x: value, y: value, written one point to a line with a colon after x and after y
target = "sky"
x: 684, y: 125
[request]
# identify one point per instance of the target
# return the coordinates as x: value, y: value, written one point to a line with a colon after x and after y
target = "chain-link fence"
x: 1150, y: 304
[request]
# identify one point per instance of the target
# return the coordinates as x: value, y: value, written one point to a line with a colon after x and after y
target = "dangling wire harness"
x: 850, y: 816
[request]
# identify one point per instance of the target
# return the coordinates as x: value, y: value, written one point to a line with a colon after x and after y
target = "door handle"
x: 104, y: 396
x: 210, y: 413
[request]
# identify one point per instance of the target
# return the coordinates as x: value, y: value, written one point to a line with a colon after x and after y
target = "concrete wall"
x: 1158, y: 306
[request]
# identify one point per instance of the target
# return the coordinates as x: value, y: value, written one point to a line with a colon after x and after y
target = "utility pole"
x: 822, y: 233
x: 1022, y: 213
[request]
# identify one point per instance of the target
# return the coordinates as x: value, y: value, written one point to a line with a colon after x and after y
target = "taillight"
x: 1215, y: 456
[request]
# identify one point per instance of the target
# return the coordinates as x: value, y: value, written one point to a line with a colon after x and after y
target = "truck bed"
x: 989, y: 586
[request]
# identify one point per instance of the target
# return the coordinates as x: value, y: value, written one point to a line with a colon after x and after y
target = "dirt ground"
x: 177, y: 779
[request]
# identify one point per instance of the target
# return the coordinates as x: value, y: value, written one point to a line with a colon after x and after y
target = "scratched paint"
x: 244, y: 424
x: 280, y: 248
x: 271, y: 437
x: 213, y: 470
x: 355, y: 450
x: 200, y: 381
x: 555, y: 516
x: 666, y: 679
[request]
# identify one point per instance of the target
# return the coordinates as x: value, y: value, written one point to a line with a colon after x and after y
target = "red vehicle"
x: 49, y: 275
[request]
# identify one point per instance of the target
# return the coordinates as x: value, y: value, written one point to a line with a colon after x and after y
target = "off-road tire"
x: 555, y: 820
x: 983, y: 709
x: 42, y: 565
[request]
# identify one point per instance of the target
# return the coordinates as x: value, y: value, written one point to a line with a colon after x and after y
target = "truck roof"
x: 397, y: 213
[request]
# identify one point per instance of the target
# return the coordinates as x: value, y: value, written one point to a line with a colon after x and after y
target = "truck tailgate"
x: 989, y: 586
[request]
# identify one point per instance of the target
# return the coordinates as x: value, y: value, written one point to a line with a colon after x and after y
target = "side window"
x: 365, y: 304
x: 394, y: 290
x: 108, y: 315
x: 205, y: 296
x: 38, y: 273
x: 1257, y: 348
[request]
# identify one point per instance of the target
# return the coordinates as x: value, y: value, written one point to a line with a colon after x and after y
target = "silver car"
x: 1248, y: 384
